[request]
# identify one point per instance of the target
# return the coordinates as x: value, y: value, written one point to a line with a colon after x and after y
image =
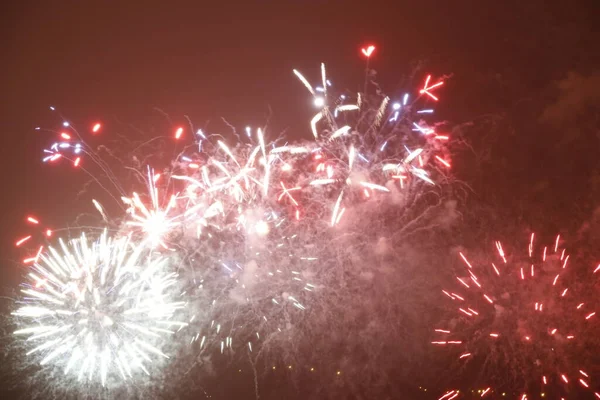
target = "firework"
x: 101, y: 309
x: 246, y: 219
x: 528, y: 320
x: 363, y: 143
x: 255, y: 201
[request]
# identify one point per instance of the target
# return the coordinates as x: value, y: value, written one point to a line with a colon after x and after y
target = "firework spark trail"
x: 99, y: 309
x: 524, y: 316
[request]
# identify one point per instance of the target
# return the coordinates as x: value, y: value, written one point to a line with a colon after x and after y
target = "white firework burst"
x: 101, y: 309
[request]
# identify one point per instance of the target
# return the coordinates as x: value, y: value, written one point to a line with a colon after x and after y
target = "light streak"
x: 368, y: 51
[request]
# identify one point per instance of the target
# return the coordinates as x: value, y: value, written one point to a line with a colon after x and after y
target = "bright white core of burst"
x: 156, y: 226
x: 101, y: 309
x: 319, y: 102
x: 262, y: 228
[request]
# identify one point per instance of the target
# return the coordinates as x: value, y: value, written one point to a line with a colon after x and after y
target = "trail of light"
x: 178, y: 133
x: 427, y: 89
x: 446, y: 163
x: 368, y: 51
x: 447, y: 394
x: 304, y: 81
x: 465, y: 260
x: 22, y: 240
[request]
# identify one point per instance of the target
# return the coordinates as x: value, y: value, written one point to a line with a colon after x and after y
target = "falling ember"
x: 440, y: 159
x: 77, y: 162
x: 447, y: 395
x: 178, y: 133
x: 33, y: 220
x: 465, y: 260
x: 367, y: 51
x: 96, y: 127
x: 427, y: 89
x: 65, y: 136
x: 590, y: 315
x: 531, y: 244
x: 463, y: 282
x: 457, y: 296
x: 500, y: 252
x: 544, y: 255
x: 496, y: 269
x: 466, y: 312
x: 35, y: 258
x: 23, y: 240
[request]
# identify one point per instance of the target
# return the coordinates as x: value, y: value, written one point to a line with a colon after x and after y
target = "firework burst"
x: 246, y: 220
x: 102, y: 309
x: 527, y: 322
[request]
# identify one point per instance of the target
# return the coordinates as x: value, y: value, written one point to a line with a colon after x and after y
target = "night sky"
x: 523, y: 92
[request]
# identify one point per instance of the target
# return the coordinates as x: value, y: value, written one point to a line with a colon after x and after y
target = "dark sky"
x: 117, y: 60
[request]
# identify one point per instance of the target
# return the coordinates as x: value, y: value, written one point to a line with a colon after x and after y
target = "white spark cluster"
x: 101, y: 309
